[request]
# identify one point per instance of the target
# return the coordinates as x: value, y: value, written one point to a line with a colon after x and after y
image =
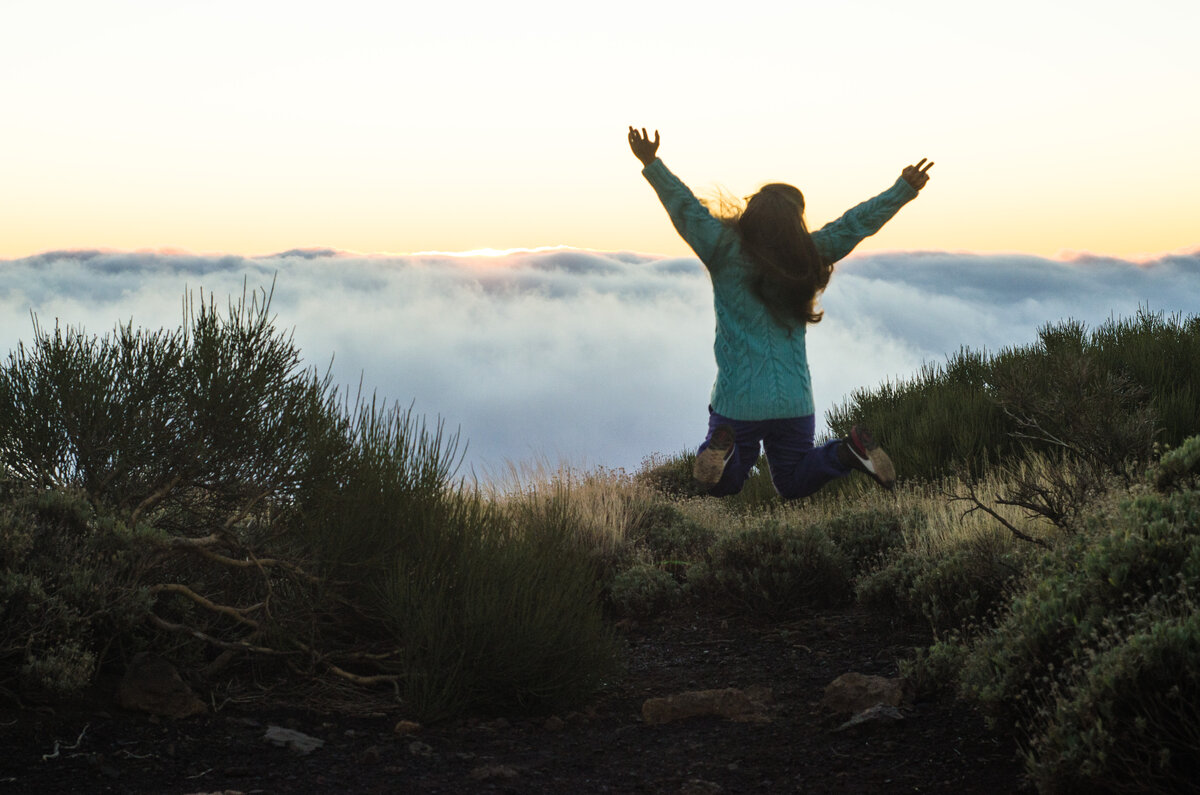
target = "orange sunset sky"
x: 253, y: 127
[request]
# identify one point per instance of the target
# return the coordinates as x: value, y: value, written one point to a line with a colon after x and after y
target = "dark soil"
x: 940, y: 747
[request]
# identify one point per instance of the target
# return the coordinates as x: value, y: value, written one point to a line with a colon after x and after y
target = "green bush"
x: 644, y: 591
x: 68, y: 587
x: 864, y: 535
x: 1129, y: 719
x: 933, y: 671
x: 962, y: 584
x: 773, y: 568
x: 1081, y: 594
x: 1178, y: 466
x: 1084, y: 663
x: 668, y: 535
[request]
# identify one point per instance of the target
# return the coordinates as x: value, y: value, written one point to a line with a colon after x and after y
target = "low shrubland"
x: 199, y: 495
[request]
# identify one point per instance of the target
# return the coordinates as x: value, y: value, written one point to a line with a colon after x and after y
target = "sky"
x: 258, y: 126
x: 491, y: 253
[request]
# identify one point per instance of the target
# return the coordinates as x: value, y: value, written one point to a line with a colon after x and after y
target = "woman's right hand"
x: 643, y: 148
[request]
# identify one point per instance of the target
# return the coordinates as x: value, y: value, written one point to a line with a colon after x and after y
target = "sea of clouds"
x: 583, y: 357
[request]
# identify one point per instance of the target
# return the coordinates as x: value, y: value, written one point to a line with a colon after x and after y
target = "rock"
x: 698, y: 786
x: 486, y: 772
x: 878, y: 716
x: 738, y: 705
x: 554, y: 724
x: 151, y: 684
x: 371, y: 756
x: 406, y: 727
x: 854, y: 693
x: 420, y: 749
x: 290, y: 738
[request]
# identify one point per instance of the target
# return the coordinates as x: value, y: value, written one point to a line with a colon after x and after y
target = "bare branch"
x: 237, y: 614
x: 978, y: 505
x: 180, y: 629
x: 154, y: 499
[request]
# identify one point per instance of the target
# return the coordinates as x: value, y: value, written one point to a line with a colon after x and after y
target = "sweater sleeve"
x: 838, y: 238
x: 695, y: 224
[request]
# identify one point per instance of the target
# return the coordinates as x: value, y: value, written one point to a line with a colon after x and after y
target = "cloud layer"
x: 597, y: 358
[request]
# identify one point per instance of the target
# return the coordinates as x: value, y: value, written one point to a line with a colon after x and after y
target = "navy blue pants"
x: 797, y: 468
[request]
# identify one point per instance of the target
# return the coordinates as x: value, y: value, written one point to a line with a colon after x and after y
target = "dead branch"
x: 978, y: 505
x: 237, y: 516
x: 236, y: 613
x: 154, y: 499
x: 377, y: 679
x: 180, y: 629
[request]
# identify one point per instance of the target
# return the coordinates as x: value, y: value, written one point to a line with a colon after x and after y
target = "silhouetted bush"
x: 1104, y: 396
x: 198, y: 493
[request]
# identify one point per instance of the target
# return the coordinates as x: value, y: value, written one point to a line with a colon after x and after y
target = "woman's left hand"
x: 917, y: 175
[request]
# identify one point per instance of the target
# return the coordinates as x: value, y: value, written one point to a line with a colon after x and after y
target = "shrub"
x: 933, y: 671
x: 644, y: 591
x: 962, y: 584
x: 669, y: 535
x: 1128, y: 720
x: 68, y: 587
x: 1087, y: 662
x: 865, y: 534
x: 1081, y: 594
x: 670, y: 476
x: 773, y: 567
x: 1179, y: 466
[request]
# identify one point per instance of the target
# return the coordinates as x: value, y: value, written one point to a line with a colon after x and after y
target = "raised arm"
x: 695, y: 224
x: 838, y: 238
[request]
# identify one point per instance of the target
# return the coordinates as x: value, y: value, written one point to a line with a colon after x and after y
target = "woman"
x: 767, y: 272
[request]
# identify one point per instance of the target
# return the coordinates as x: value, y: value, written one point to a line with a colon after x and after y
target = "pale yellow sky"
x: 253, y: 127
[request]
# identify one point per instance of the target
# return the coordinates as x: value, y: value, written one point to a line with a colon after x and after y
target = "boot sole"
x: 709, y: 466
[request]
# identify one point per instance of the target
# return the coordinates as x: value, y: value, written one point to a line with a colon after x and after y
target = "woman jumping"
x: 767, y: 271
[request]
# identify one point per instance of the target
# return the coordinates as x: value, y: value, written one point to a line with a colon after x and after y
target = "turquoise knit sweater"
x: 762, y: 367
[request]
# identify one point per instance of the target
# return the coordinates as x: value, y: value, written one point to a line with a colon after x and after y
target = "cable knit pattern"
x: 762, y: 367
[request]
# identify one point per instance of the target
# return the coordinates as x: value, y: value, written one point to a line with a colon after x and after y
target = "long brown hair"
x: 788, y: 272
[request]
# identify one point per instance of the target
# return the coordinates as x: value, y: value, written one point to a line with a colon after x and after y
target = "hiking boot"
x: 710, y: 463
x: 861, y: 452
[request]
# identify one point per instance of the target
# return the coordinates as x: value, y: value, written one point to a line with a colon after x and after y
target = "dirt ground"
x: 938, y: 748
